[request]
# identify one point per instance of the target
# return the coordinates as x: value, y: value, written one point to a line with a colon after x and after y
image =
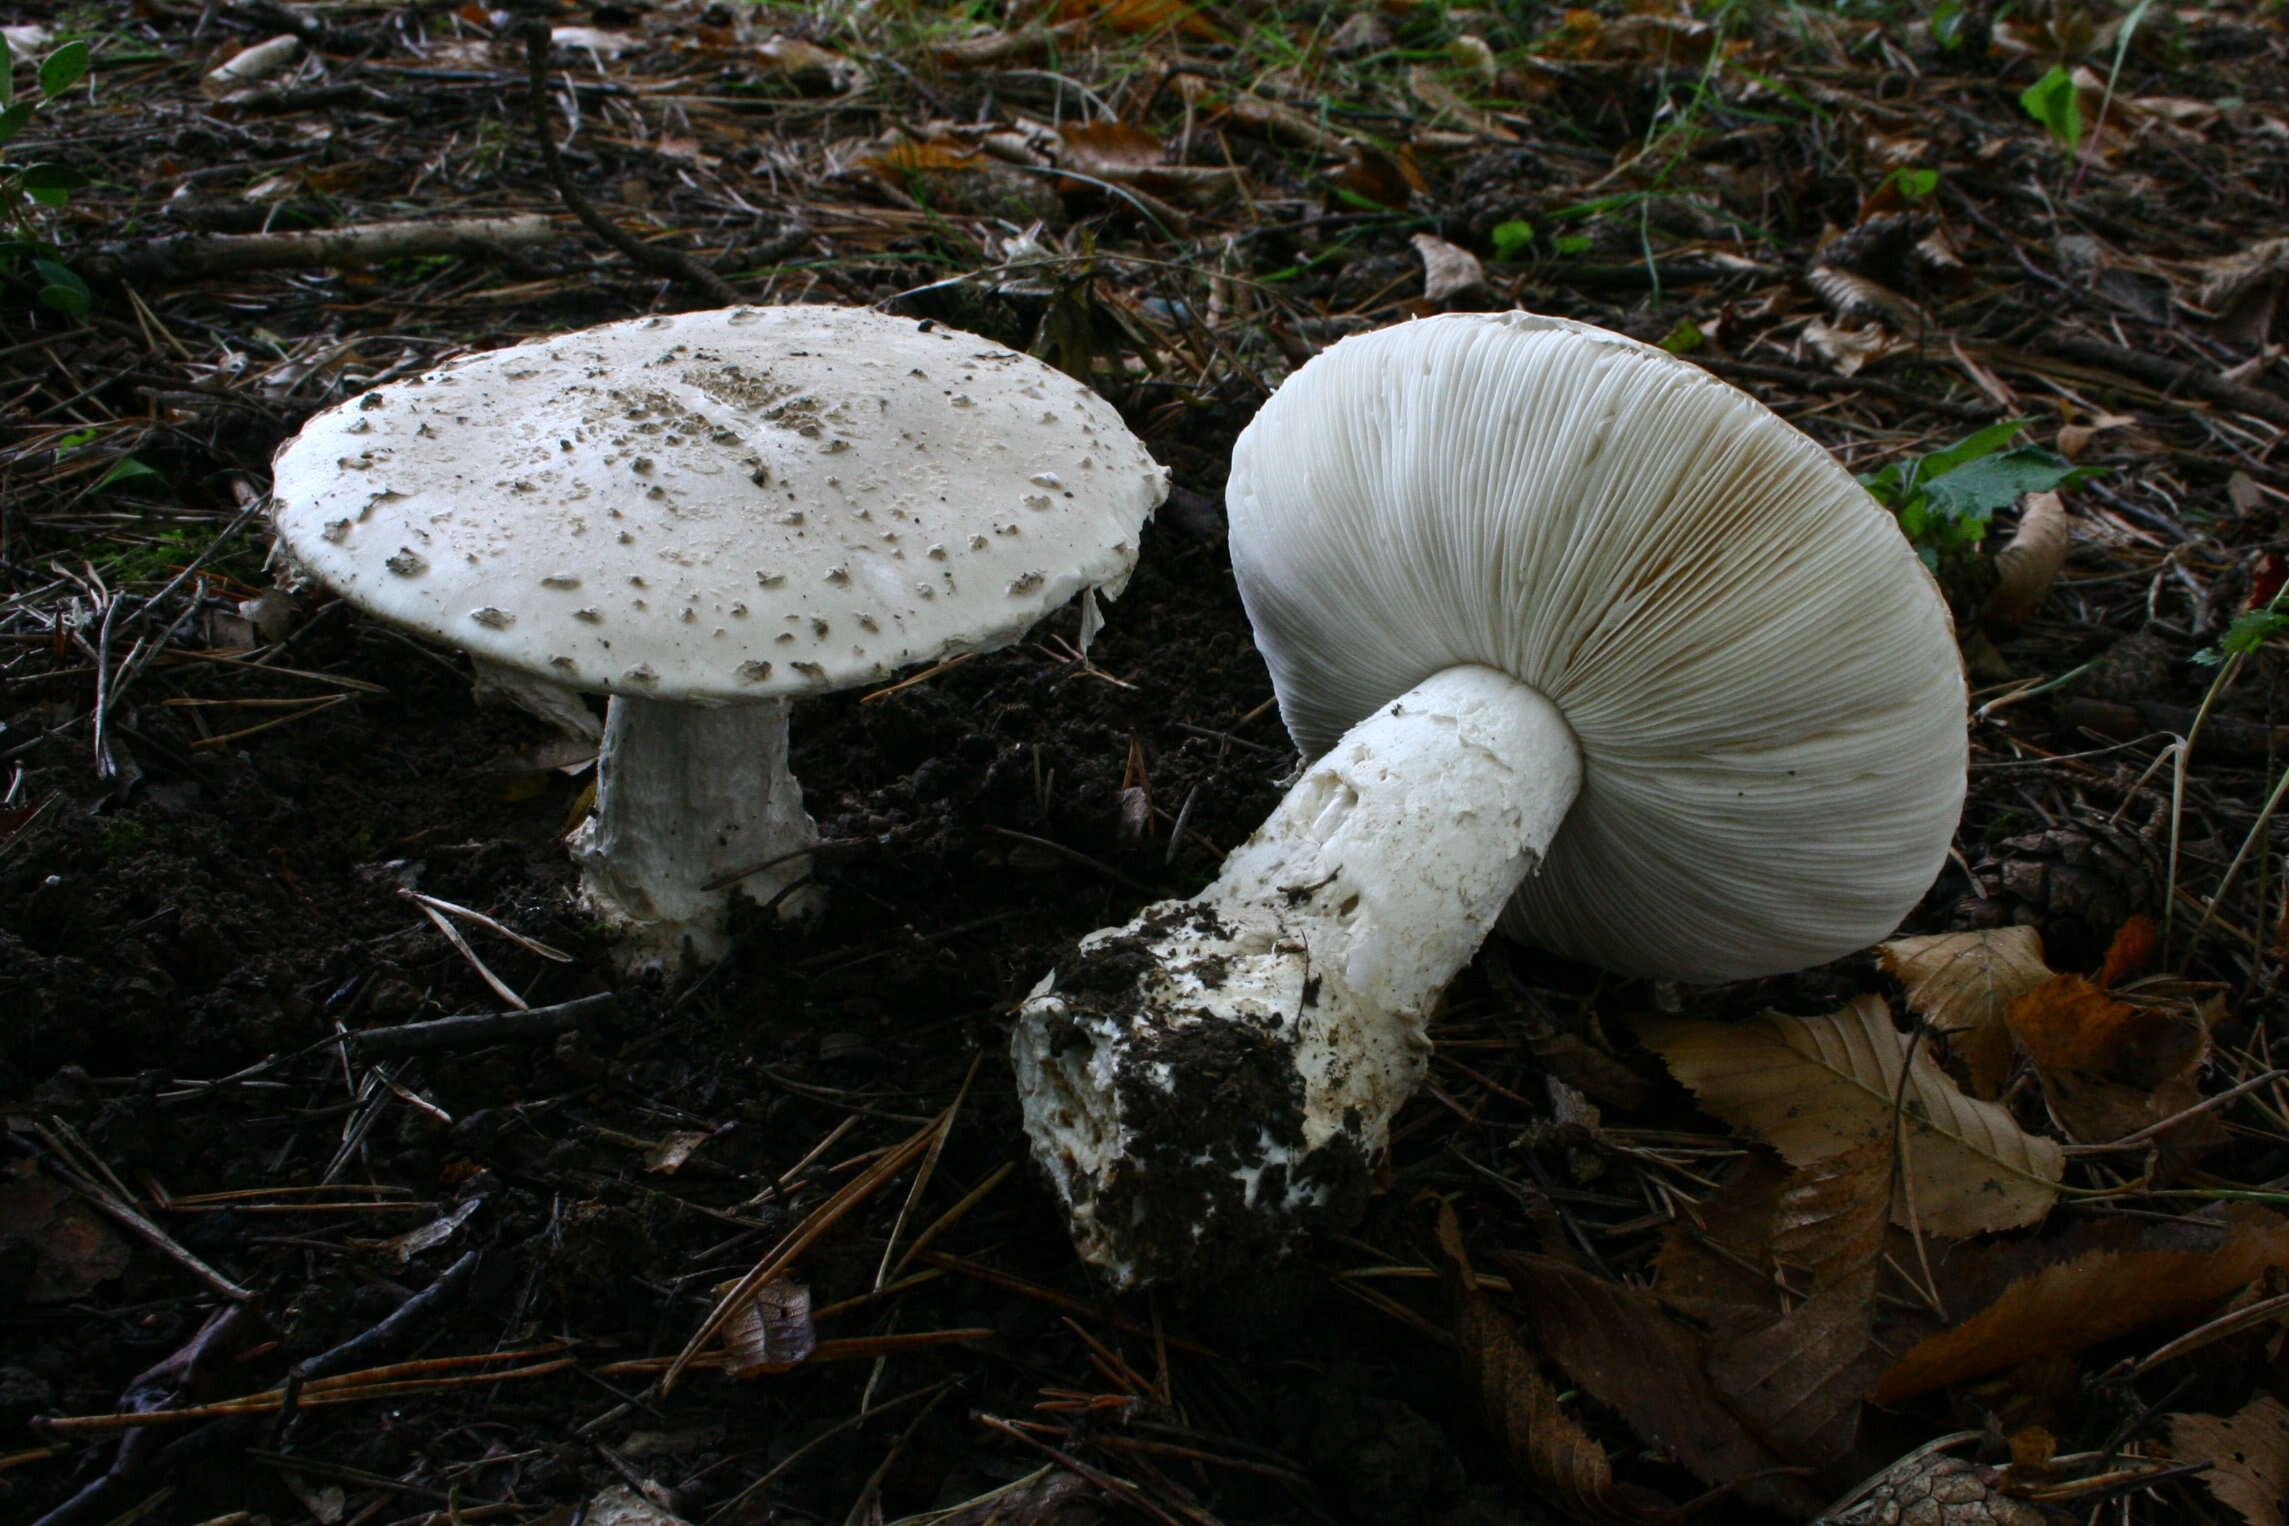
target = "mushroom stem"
x: 691, y: 803
x: 1200, y: 1082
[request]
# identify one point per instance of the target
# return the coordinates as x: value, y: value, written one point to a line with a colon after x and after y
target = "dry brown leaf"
x: 2030, y: 562
x: 1545, y: 1444
x: 1386, y: 178
x: 2248, y: 1454
x: 2090, y: 1299
x: 73, y: 1251
x: 769, y: 1332
x: 1963, y: 984
x: 1848, y: 349
x: 1798, y: 1381
x: 806, y: 63
x: 1445, y: 104
x: 1138, y: 16
x: 1116, y: 148
x: 1449, y: 270
x: 1813, y: 1087
x: 1617, y: 1343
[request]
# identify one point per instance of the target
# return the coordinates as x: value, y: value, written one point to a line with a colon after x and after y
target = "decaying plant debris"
x: 304, y: 1215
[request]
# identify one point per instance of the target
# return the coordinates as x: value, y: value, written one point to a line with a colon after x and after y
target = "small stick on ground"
x: 672, y: 263
x: 212, y: 254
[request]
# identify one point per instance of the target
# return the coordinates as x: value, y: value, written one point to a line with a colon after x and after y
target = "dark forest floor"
x: 211, y: 813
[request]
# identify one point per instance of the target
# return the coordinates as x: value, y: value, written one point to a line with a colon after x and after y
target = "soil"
x: 211, y: 834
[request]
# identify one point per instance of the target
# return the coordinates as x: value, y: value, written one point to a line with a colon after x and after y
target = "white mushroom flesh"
x: 1759, y: 680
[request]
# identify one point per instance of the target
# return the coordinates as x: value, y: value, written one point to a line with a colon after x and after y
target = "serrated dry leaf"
x: 2090, y: 1299
x: 2248, y: 1454
x: 1542, y: 1441
x: 1798, y: 1381
x: 1813, y: 1087
x: 1616, y: 1342
x: 2030, y: 561
x: 1963, y: 984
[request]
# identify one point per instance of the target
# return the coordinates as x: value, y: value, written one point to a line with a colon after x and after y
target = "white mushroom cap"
x: 743, y: 504
x: 1761, y: 676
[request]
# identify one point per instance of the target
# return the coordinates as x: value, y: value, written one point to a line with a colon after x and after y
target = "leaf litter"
x: 2048, y: 1210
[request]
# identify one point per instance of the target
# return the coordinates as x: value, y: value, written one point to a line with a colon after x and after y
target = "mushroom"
x: 1581, y: 639
x: 706, y: 517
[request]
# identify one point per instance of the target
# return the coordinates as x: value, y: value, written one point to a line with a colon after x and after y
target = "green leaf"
x: 64, y: 291
x: 1976, y: 489
x: 13, y: 118
x: 1684, y: 339
x: 1947, y: 21
x: 2051, y: 101
x: 1571, y: 243
x: 128, y: 469
x: 1510, y: 237
x: 1971, y: 447
x: 53, y: 177
x: 1916, y: 184
x: 7, y: 71
x: 64, y: 68
x: 2251, y: 629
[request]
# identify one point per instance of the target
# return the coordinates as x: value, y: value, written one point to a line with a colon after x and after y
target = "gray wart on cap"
x: 727, y: 510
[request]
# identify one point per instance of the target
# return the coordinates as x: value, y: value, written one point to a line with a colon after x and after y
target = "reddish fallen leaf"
x: 2248, y: 1454
x: 2067, y: 1023
x: 2090, y: 1299
x: 2110, y: 1068
x: 1625, y: 1349
x: 2135, y: 944
x: 1543, y: 1443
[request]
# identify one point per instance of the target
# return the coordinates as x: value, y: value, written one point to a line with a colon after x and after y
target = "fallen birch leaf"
x: 1615, y: 1341
x: 1798, y: 1381
x: 1812, y: 1087
x: 2029, y: 563
x: 2093, y: 1298
x: 1963, y: 984
x: 2248, y: 1454
x: 1546, y: 1445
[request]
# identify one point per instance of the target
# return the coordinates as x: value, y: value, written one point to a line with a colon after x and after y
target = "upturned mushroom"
x: 1579, y: 639
x: 707, y: 517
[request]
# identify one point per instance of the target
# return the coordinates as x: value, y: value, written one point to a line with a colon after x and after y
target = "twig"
x: 475, y: 1030
x: 2172, y: 376
x: 100, y: 1498
x: 672, y: 263
x: 207, y: 254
